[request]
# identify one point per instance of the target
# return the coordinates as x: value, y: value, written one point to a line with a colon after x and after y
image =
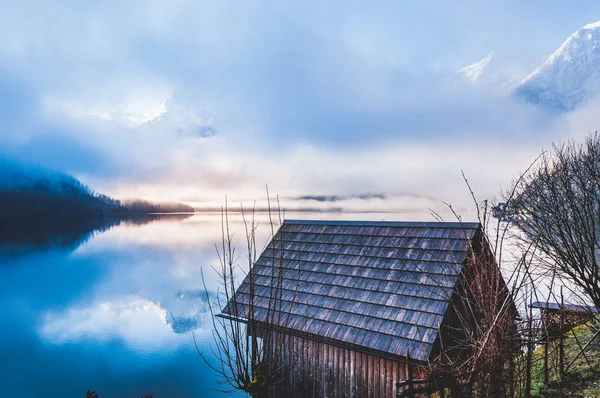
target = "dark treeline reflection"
x: 41, y: 232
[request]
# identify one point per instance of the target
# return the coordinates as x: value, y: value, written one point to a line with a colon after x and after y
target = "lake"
x: 115, y: 310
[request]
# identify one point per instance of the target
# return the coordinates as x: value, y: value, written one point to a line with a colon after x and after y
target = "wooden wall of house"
x: 323, y: 370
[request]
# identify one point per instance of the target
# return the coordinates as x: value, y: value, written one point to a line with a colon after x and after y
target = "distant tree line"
x: 44, y: 205
x: 144, y: 206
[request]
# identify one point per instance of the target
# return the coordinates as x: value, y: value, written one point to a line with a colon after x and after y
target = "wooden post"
x: 561, y: 346
x: 546, y: 373
x: 411, y: 389
x: 529, y: 351
x: 544, y: 319
x: 511, y: 373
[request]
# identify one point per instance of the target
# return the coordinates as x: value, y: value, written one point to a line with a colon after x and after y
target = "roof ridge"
x: 406, y: 224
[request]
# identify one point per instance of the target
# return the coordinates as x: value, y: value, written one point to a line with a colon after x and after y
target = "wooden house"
x: 360, y: 304
x: 558, y: 319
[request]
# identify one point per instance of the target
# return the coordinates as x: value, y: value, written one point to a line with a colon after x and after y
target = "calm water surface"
x: 114, y: 311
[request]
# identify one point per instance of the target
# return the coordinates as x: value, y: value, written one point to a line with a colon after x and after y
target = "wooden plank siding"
x: 323, y: 370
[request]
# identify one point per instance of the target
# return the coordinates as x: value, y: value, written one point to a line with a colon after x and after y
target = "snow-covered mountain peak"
x: 568, y: 77
x: 593, y: 25
x: 134, y: 119
x: 491, y: 74
x: 475, y: 71
x: 175, y: 116
x: 186, y: 119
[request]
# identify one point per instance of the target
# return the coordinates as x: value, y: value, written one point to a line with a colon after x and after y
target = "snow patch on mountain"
x: 570, y: 76
x: 475, y: 71
x: 170, y: 117
x: 135, y: 119
x: 592, y: 25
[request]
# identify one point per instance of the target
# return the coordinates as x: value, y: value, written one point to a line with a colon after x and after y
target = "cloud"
x: 411, y: 174
x: 582, y: 121
x: 338, y: 198
x: 138, y: 322
x: 197, y: 99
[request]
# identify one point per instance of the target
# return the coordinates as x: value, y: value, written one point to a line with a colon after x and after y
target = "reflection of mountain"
x: 20, y: 236
x: 187, y: 311
x: 181, y: 324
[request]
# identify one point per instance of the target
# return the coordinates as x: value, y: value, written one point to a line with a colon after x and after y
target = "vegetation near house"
x: 582, y: 379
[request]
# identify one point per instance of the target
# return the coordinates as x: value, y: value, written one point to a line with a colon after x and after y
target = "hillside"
x: 34, y: 193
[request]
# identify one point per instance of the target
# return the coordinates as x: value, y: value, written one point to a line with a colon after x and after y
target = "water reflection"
x: 30, y: 235
x: 110, y: 309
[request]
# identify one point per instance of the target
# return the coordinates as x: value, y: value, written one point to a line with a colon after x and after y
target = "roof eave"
x: 336, y: 343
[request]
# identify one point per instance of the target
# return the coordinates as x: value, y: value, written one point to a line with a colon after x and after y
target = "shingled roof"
x: 381, y: 286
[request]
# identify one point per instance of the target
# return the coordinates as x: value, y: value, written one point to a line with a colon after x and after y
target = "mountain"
x: 174, y: 116
x: 491, y: 74
x: 570, y: 76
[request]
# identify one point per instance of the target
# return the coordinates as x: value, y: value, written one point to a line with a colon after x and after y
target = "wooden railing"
x: 414, y: 387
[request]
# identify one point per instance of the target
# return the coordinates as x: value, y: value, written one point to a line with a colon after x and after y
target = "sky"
x: 194, y: 100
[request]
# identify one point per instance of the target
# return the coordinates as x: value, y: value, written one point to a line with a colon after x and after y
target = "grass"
x: 582, y: 379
